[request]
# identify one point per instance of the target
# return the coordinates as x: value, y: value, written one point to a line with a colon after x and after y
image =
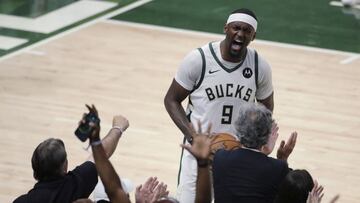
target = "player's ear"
x: 253, y: 36
x: 225, y: 28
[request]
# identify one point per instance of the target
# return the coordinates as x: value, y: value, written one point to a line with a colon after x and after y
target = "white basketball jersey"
x: 220, y: 91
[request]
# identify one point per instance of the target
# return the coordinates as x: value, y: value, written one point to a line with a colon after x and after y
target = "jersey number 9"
x: 227, y: 114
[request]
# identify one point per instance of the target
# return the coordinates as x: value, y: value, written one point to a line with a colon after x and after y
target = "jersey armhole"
x: 202, y: 70
x: 256, y: 70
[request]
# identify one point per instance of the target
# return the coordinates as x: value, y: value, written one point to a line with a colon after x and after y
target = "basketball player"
x: 218, y: 78
x: 350, y: 3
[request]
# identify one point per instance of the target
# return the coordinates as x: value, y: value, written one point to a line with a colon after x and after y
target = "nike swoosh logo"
x: 211, y: 72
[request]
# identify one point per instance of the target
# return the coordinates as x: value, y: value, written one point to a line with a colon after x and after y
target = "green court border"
x: 22, y: 7
x: 308, y: 23
x: 34, y: 37
x: 207, y: 20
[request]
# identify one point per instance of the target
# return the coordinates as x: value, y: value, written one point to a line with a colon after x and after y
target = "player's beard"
x: 235, y: 54
x: 236, y: 50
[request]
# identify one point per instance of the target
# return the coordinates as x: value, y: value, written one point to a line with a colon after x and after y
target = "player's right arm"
x: 175, y: 95
x: 188, y: 74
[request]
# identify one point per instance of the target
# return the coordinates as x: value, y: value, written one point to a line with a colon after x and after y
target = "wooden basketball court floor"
x: 126, y: 69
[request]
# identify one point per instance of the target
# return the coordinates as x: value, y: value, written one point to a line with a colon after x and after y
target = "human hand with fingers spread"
x: 150, y: 191
x: 201, y: 150
x: 160, y: 192
x: 144, y: 192
x: 285, y: 149
x: 316, y: 193
x: 201, y: 145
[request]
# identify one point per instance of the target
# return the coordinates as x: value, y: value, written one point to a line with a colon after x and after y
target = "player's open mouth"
x: 236, y: 45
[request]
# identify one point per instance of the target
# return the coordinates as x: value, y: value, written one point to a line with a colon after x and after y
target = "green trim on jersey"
x: 222, y: 65
x: 203, y: 68
x: 256, y: 70
x: 180, y: 165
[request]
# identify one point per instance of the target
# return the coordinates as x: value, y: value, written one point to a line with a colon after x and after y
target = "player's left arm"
x: 265, y: 91
x: 268, y: 102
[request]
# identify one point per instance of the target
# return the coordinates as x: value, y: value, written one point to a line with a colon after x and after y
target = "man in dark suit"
x: 248, y: 174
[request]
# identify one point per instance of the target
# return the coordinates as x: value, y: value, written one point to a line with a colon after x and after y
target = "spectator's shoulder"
x: 87, y: 164
x: 281, y: 166
x: 20, y: 199
x: 222, y: 155
x: 85, y: 176
x: 85, y: 168
x: 222, y: 152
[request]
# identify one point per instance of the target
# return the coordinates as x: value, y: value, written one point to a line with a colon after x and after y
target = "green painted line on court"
x: 31, y: 36
x: 21, y: 34
x: 309, y: 23
x: 31, y: 8
x: 36, y: 37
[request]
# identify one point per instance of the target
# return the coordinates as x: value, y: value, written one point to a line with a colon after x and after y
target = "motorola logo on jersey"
x: 247, y: 72
x: 228, y: 90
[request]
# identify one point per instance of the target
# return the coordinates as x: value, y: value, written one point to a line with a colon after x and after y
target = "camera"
x: 84, y: 130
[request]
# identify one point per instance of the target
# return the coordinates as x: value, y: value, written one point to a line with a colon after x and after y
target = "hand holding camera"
x: 89, y: 126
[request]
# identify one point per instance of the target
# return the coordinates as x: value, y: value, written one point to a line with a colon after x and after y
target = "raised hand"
x: 92, y: 109
x: 120, y: 122
x: 150, y: 191
x: 316, y: 193
x: 144, y: 193
x: 95, y: 126
x: 160, y: 192
x: 285, y: 149
x: 201, y: 144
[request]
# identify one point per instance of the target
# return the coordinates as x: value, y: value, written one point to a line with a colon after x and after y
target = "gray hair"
x: 253, y: 125
x: 48, y: 159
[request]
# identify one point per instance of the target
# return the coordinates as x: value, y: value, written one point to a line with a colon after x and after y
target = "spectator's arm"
x: 203, y: 184
x: 111, y: 140
x: 108, y: 176
x: 105, y: 169
x: 200, y: 149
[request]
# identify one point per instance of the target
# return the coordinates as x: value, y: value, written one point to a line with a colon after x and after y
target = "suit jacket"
x: 248, y: 176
